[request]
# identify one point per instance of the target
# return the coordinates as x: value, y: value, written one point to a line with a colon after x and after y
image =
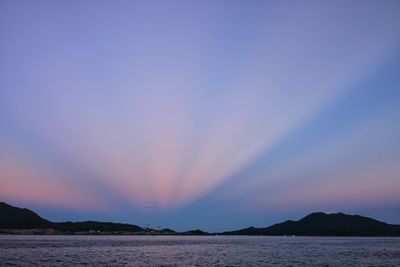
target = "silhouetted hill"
x: 321, y: 224
x: 195, y: 232
x: 315, y: 224
x: 17, y: 218
x: 97, y: 226
x: 167, y: 231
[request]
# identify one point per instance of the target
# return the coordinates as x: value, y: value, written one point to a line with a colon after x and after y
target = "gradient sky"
x: 200, y: 114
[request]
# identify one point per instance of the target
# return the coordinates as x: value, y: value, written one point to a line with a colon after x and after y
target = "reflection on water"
x: 198, y: 251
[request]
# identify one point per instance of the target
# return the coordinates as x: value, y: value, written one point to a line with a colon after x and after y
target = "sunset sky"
x: 200, y: 114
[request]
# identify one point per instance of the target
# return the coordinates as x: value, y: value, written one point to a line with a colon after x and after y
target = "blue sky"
x: 201, y: 114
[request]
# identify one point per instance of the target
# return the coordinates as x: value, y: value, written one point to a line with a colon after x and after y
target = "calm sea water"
x: 197, y: 251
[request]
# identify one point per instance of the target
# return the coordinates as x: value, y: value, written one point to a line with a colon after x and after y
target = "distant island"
x: 14, y: 220
x: 321, y: 224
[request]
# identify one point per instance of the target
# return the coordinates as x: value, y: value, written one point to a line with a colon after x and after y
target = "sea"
x: 18, y: 250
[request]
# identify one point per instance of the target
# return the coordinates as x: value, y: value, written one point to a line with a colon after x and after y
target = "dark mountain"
x: 195, y: 232
x: 17, y: 218
x: 321, y: 224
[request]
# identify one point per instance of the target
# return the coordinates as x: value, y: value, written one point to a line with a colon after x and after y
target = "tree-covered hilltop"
x: 18, y: 218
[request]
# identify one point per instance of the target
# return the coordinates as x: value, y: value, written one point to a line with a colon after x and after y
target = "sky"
x: 215, y: 115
